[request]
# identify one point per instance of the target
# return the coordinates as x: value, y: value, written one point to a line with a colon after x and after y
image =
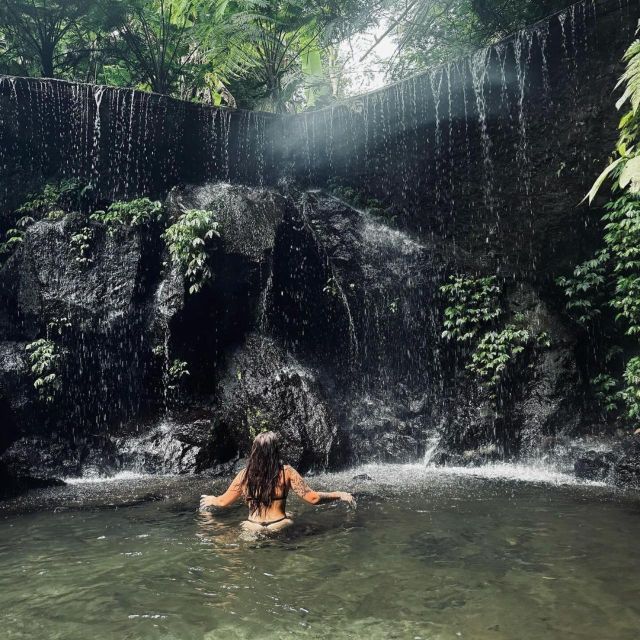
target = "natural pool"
x: 499, y: 553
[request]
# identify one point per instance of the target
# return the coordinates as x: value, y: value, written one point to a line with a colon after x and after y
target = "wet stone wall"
x: 493, y: 152
x: 124, y: 143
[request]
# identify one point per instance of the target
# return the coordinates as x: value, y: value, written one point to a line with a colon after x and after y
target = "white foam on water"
x: 520, y: 472
x: 416, y: 474
x: 121, y: 476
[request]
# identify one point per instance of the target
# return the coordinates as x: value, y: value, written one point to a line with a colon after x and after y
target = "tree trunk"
x: 46, y: 61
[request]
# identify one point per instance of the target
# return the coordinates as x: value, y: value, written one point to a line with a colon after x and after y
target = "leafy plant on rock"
x: 43, y: 359
x: 177, y: 372
x: 132, y: 213
x: 54, y: 196
x: 188, y: 241
x: 472, y: 318
x: 497, y: 350
x: 15, y: 236
x: 472, y: 303
x: 81, y: 246
x: 610, y: 280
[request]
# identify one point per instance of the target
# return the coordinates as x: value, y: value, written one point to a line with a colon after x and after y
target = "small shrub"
x: 53, y: 197
x: 132, y: 213
x: 43, y: 358
x: 494, y: 352
x: 81, y: 246
x: 607, y: 392
x: 177, y: 371
x: 187, y: 240
x: 15, y: 236
x: 473, y: 302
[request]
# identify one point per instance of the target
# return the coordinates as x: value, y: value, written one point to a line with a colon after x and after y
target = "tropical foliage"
x: 475, y: 319
x: 43, y: 360
x: 279, y: 55
x: 131, y: 213
x: 188, y: 241
x: 609, y: 282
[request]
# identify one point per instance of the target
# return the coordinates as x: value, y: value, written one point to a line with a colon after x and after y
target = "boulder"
x: 265, y: 388
x: 248, y: 216
x: 44, y: 280
x: 171, y: 445
x: 626, y: 470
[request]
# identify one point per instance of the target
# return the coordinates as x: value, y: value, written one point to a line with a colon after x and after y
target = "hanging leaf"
x: 593, y: 192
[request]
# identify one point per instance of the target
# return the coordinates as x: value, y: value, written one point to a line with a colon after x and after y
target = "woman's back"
x: 264, y: 485
x: 262, y: 513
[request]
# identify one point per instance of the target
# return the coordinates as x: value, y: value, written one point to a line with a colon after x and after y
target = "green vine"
x: 188, y: 243
x: 44, y: 358
x: 472, y: 318
x: 610, y: 280
x: 472, y: 303
x: 81, y: 246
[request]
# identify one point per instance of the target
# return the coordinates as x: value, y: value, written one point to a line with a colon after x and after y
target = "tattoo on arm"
x: 298, y: 483
x: 237, y: 486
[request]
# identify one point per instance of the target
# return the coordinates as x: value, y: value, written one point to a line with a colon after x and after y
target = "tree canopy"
x: 276, y: 55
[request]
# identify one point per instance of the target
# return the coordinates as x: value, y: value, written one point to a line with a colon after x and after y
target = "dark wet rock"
x: 265, y: 388
x: 232, y: 305
x: 551, y: 400
x: 362, y: 477
x: 379, y: 431
x: 11, y: 485
x: 226, y: 469
x: 57, y: 455
x: 594, y: 465
x: 626, y: 470
x: 170, y: 446
x: 16, y: 392
x: 96, y: 313
x: 248, y: 216
x: 470, y: 458
x: 543, y: 396
x: 48, y: 281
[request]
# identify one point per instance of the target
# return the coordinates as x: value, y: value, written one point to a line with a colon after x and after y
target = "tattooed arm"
x: 304, y: 491
x: 231, y: 495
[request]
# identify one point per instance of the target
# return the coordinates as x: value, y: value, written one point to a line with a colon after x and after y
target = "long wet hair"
x: 262, y: 475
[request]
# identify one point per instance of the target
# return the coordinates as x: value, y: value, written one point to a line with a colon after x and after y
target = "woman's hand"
x: 348, y: 498
x: 208, y: 501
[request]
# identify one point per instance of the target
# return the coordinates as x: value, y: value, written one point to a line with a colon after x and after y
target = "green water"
x: 425, y: 555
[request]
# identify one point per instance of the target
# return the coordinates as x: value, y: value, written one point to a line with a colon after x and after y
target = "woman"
x: 264, y: 485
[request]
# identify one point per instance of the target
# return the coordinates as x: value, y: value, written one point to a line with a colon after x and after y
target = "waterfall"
x: 461, y: 163
x: 126, y: 143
